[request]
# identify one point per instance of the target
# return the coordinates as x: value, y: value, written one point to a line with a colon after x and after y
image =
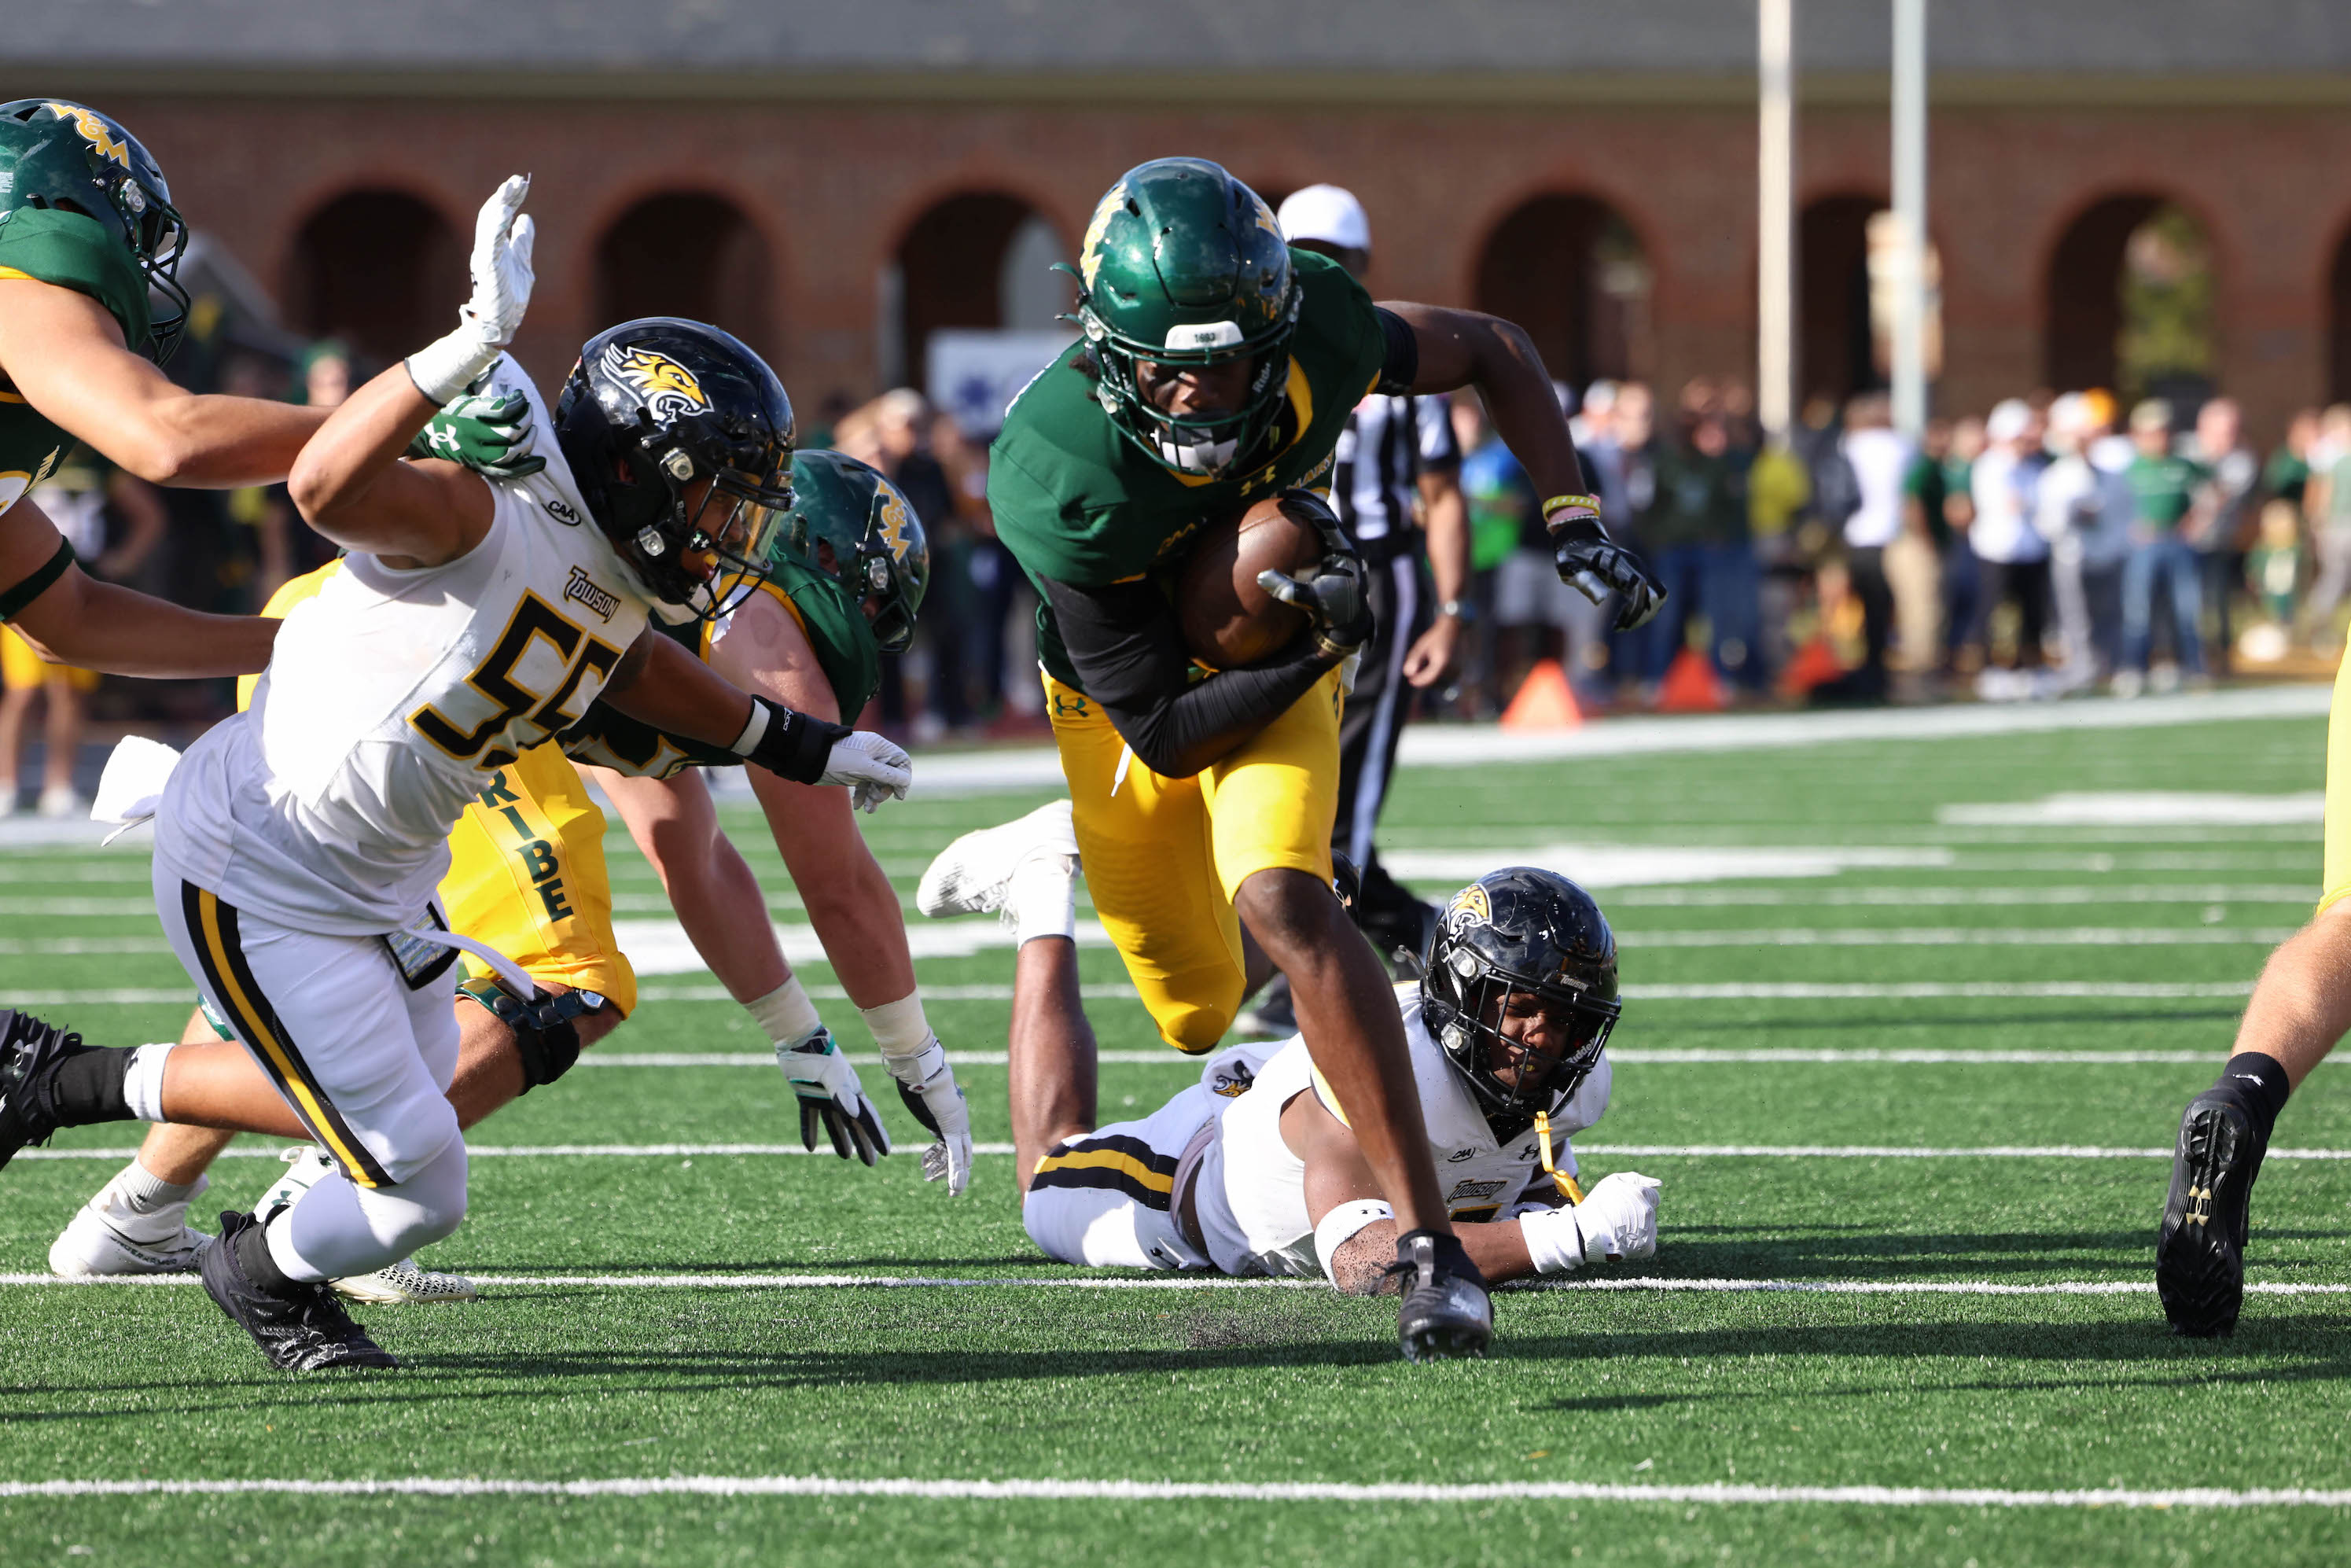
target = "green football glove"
x: 488, y: 433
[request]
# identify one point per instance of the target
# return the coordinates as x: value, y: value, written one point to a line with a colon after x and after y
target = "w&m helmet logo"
x: 94, y: 131
x: 670, y: 388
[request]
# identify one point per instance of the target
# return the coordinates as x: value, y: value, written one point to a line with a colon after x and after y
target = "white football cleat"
x: 107, y: 1236
x: 406, y: 1284
x: 402, y: 1284
x: 972, y: 874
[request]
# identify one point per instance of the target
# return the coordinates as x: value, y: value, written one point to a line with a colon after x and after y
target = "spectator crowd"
x: 2055, y: 543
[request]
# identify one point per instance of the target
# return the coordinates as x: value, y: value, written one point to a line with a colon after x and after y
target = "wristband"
x: 1555, y: 1241
x: 1343, y: 1225
x: 898, y: 1028
x: 788, y: 743
x: 1587, y: 504
x: 443, y: 368
x: 1460, y: 610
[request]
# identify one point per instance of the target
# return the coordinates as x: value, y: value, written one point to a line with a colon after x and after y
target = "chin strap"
x: 1560, y: 1179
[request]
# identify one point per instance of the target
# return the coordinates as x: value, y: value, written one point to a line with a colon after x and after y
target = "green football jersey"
x: 1076, y: 501
x: 73, y: 252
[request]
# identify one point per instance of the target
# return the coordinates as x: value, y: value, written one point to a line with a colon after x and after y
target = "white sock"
x: 1042, y: 897
x: 144, y: 1192
x: 143, y: 1084
x: 786, y: 1012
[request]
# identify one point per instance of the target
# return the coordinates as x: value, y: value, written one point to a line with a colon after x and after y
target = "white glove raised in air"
x: 872, y: 766
x: 502, y: 279
x: 1617, y: 1219
x: 927, y: 1085
x: 831, y: 1097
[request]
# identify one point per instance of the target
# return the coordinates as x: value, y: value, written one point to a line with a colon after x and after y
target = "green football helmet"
x: 851, y: 523
x: 60, y: 156
x: 1183, y: 265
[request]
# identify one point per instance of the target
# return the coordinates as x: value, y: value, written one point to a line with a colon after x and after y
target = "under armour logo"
x: 2200, y: 1206
x: 443, y: 440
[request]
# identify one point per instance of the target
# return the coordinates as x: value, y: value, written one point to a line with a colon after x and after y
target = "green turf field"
x: 1927, y: 1093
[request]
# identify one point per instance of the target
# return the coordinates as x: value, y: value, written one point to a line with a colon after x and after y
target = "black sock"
x: 2257, y: 1083
x: 89, y: 1087
x: 254, y: 1261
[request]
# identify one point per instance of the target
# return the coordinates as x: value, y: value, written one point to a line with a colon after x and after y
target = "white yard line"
x: 1731, y: 990
x: 1966, y: 937
x: 1613, y: 1151
x: 1715, y: 1493
x: 1191, y: 1281
x: 1805, y: 896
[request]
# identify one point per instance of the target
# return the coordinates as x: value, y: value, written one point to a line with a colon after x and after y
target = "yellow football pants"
x: 1163, y: 857
x: 527, y: 875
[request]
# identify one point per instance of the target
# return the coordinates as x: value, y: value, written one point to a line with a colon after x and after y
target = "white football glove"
x: 1617, y: 1219
x: 927, y: 1085
x: 831, y: 1097
x: 502, y: 279
x: 872, y: 766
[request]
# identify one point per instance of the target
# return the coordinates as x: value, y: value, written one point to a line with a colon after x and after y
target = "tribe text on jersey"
x: 391, y: 700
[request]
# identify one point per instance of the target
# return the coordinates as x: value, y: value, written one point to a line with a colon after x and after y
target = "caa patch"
x: 563, y: 512
x: 670, y: 388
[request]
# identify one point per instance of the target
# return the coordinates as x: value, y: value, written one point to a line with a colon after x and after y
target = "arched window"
x: 380, y: 269
x: 2130, y: 301
x: 687, y: 253
x: 1571, y: 272
x: 2338, y: 324
x: 1850, y: 261
x: 983, y: 260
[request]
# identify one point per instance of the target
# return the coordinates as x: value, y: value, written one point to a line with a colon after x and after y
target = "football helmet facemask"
x: 653, y: 406
x: 66, y: 157
x: 1520, y: 932
x: 851, y: 523
x: 1183, y: 266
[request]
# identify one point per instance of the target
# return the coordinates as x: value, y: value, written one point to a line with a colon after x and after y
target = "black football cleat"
x: 2200, y: 1253
x: 301, y: 1327
x: 1445, y: 1315
x: 30, y: 1051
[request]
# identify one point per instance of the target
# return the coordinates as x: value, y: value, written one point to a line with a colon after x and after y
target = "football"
x: 1227, y: 620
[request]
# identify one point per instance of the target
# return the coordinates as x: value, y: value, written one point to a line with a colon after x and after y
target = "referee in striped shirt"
x: 1395, y: 484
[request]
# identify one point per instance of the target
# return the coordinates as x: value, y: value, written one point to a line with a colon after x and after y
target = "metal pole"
x: 1910, y: 216
x: 1775, y: 258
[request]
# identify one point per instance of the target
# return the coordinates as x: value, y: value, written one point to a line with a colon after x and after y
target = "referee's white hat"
x: 1328, y: 213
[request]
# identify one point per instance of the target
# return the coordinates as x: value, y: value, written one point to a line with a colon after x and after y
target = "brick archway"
x: 952, y: 268
x: 690, y: 254
x: 379, y: 269
x: 1572, y: 271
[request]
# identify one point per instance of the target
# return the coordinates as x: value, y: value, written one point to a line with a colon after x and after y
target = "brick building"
x: 835, y: 181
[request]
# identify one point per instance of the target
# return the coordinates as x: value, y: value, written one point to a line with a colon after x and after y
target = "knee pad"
x: 544, y: 1030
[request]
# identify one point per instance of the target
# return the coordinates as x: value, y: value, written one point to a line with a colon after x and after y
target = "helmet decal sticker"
x: 1470, y: 907
x: 895, y: 514
x: 1097, y: 227
x: 94, y: 131
x: 669, y: 387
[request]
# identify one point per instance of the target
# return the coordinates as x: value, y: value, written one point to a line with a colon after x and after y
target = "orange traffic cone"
x: 1815, y: 664
x: 1690, y: 686
x: 1545, y: 700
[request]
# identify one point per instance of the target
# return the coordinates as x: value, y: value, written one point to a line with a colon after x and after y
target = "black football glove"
x: 1595, y: 567
x: 1336, y: 598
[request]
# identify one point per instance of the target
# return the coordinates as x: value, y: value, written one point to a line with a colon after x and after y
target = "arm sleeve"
x: 1123, y: 642
x: 1400, y: 365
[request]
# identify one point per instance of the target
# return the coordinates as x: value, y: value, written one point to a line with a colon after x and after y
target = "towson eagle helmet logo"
x: 1470, y: 907
x: 94, y: 131
x: 669, y: 387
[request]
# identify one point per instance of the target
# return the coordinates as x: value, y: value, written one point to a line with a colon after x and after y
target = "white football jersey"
x: 391, y: 697
x: 1251, y: 1200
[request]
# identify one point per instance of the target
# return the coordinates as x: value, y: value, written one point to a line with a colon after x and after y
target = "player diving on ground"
x: 1256, y: 1169
x: 299, y: 844
x: 527, y: 878
x: 1218, y: 369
